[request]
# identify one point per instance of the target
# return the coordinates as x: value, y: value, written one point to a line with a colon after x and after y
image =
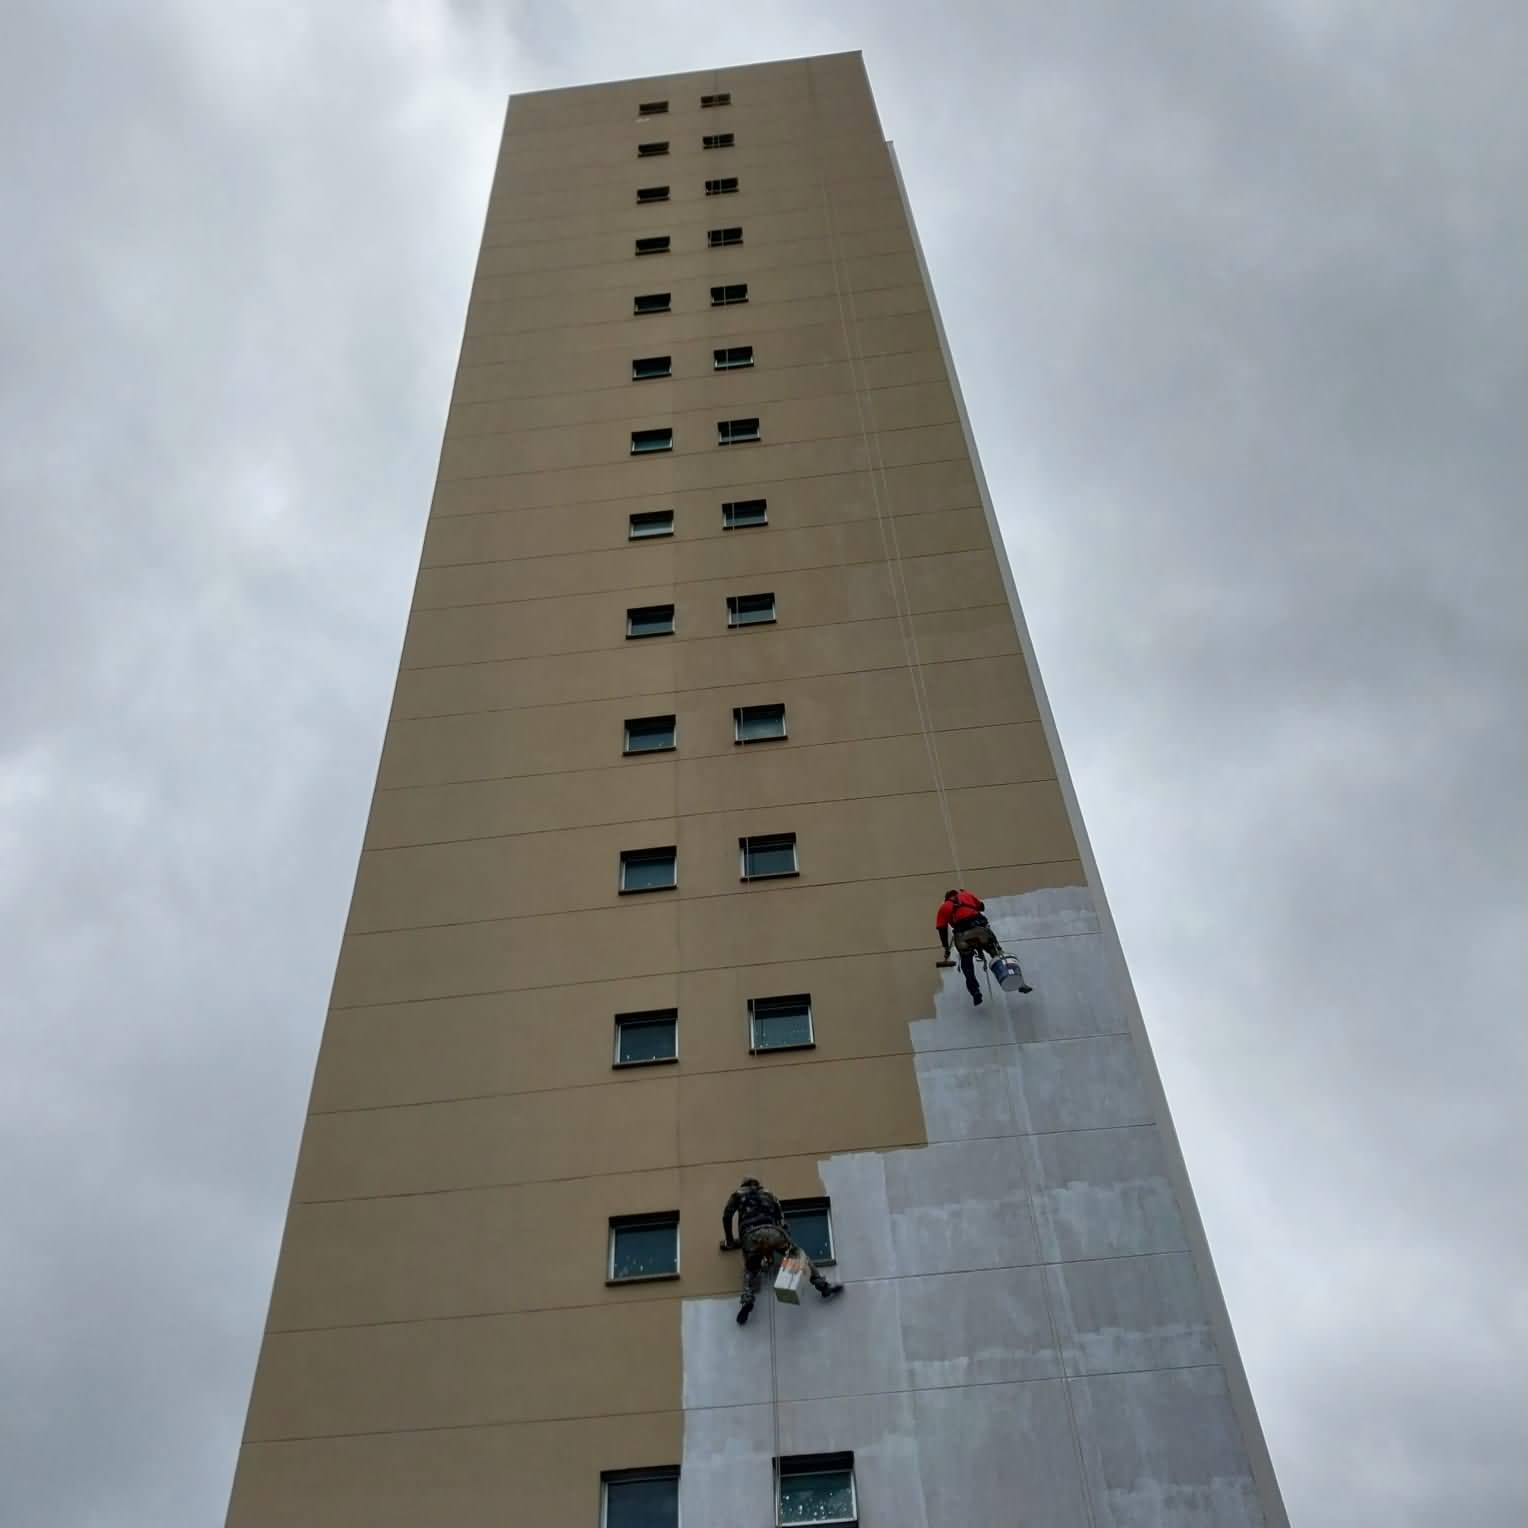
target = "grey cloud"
x: 1236, y: 295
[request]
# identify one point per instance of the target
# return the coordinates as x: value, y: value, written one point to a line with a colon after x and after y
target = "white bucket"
x: 1008, y: 975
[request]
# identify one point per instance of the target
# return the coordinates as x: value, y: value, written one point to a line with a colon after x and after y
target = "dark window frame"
x: 732, y: 358
x: 652, y: 442
x: 738, y: 432
x: 654, y: 150
x: 721, y: 98
x: 620, y: 1478
x: 647, y: 195
x: 819, y: 1205
x: 723, y: 185
x: 730, y: 521
x: 645, y: 303
x: 658, y: 244
x: 718, y: 140
x: 719, y: 238
x: 761, y: 842
x: 730, y: 294
x: 651, y: 362
x: 756, y: 1004
x: 634, y: 611
x: 772, y: 707
x: 652, y: 108
x: 645, y: 1018
x: 650, y: 1220
x: 736, y: 611
x: 790, y: 1465
x: 668, y: 852
x: 628, y: 752
x: 653, y: 517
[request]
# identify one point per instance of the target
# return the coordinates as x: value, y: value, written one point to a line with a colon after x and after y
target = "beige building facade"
x: 714, y: 681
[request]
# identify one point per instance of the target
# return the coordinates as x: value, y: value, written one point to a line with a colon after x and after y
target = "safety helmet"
x: 749, y: 1183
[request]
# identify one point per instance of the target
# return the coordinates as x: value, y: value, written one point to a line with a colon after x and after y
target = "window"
x: 721, y: 187
x: 652, y: 109
x: 743, y: 513
x: 651, y: 522
x: 644, y: 441
x: 720, y: 236
x: 650, y: 621
x: 726, y: 296
x: 649, y: 734
x: 649, y: 869
x: 651, y: 302
x: 651, y: 150
x: 780, y: 1023
x: 718, y: 141
x: 768, y: 856
x: 723, y: 98
x: 639, y: 1498
x: 647, y: 366
x: 642, y: 1039
x: 645, y: 1247
x: 652, y: 193
x: 816, y: 1488
x: 750, y: 609
x: 758, y: 724
x: 811, y: 1223
x: 657, y: 245
x: 734, y: 432
x: 732, y: 358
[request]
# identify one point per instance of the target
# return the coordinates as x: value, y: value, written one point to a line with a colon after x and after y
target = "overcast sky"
x: 1236, y: 291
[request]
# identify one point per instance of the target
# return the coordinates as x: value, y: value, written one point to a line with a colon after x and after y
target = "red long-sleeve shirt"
x: 957, y: 909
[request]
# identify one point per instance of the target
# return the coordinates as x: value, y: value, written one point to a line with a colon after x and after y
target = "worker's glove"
x: 731, y: 1246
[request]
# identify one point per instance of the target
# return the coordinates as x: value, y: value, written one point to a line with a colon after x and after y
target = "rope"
x: 890, y: 545
x: 892, y: 550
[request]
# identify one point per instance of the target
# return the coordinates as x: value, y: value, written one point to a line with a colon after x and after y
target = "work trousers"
x: 761, y: 1246
x: 967, y: 942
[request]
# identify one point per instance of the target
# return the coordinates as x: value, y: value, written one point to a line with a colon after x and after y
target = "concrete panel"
x: 1084, y: 1084
x: 1102, y: 1193
x: 1163, y: 1448
x: 462, y: 1476
x: 467, y: 1373
x: 1120, y: 1315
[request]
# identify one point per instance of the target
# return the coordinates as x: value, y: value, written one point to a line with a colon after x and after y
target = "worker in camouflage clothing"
x: 762, y: 1235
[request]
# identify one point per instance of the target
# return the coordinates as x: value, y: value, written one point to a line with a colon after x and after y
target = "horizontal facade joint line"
x: 628, y: 498
x: 709, y: 375
x: 912, y: 1143
x: 699, y: 451
x: 778, y: 629
x: 715, y: 537
x: 692, y: 689
x: 637, y: 823
x: 685, y: 213
x: 804, y: 960
x: 670, y: 757
x: 675, y: 1296
x: 654, y: 324
x: 880, y: 561
x: 670, y: 1075
x: 716, y: 380
x: 593, y: 1416
x: 779, y: 886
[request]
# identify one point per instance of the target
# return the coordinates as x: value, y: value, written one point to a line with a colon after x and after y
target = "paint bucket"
x: 1007, y: 974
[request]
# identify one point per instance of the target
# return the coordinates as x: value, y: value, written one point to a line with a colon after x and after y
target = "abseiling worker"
x: 961, y: 915
x: 762, y: 1234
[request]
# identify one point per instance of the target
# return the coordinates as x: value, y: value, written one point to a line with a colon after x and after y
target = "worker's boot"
x: 744, y: 1311
x: 827, y: 1290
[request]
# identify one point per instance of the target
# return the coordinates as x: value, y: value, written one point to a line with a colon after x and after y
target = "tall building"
x: 715, y: 680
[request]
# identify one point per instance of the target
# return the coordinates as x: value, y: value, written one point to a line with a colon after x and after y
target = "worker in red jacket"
x: 961, y: 915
